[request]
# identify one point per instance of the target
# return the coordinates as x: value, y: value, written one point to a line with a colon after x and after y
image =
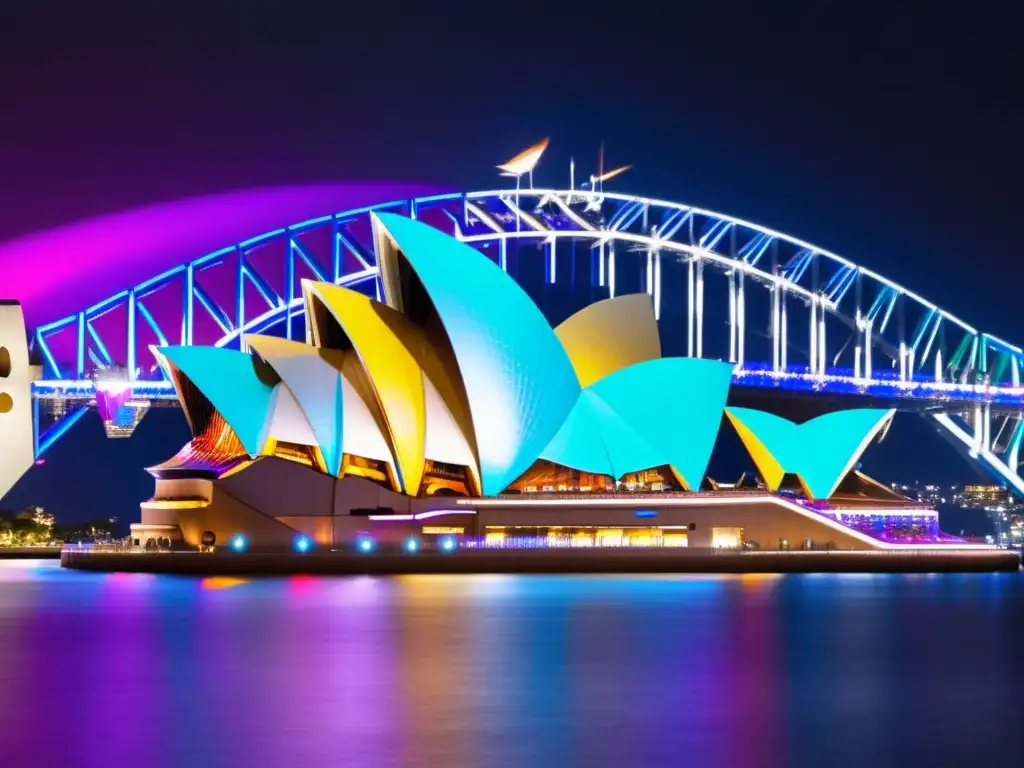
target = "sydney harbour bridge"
x: 795, y: 319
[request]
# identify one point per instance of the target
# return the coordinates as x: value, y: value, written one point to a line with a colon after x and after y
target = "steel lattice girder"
x: 932, y: 353
x: 935, y: 359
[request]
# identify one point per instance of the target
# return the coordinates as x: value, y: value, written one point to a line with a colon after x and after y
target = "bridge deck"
x: 892, y: 390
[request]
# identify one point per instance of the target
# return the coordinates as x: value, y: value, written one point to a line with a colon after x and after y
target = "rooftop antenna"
x: 597, y: 182
x: 524, y: 163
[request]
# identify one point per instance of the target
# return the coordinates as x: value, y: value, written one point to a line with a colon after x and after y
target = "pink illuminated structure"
x: 62, y: 270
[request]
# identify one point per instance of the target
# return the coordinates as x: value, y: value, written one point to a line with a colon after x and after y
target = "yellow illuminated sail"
x: 610, y: 335
x: 771, y: 470
x: 396, y: 376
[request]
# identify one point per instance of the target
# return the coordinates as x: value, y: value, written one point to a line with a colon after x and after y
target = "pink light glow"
x: 61, y: 271
x: 423, y: 515
x: 110, y: 398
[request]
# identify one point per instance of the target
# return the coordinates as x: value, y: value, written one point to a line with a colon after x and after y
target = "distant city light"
x: 302, y: 543
x: 238, y: 542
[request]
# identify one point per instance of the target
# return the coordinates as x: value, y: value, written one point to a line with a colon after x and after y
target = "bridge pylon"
x: 17, y: 442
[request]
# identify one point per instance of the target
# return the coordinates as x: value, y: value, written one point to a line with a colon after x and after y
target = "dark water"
x: 132, y: 670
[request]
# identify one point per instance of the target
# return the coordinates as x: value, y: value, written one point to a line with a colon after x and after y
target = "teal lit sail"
x: 518, y: 380
x: 228, y: 379
x: 594, y: 438
x: 658, y: 412
x: 820, y: 452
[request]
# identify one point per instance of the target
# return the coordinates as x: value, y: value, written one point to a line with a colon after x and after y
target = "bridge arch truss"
x: 788, y: 313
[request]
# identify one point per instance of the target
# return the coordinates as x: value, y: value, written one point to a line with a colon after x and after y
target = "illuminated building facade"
x: 451, y: 407
x: 982, y: 496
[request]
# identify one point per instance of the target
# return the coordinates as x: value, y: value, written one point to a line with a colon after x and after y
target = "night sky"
x: 890, y: 136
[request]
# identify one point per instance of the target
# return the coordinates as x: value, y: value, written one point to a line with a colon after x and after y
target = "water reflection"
x: 507, y: 671
x: 219, y: 582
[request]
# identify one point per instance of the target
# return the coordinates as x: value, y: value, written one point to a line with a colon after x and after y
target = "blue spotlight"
x: 238, y: 542
x: 448, y: 544
x: 302, y: 543
x: 411, y: 545
x: 366, y: 545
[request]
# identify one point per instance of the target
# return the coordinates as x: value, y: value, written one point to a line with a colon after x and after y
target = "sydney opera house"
x: 450, y: 411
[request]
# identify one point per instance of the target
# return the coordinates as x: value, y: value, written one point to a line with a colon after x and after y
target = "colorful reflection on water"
x: 128, y: 670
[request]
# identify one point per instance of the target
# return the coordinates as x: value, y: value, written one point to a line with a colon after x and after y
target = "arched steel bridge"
x: 791, y: 315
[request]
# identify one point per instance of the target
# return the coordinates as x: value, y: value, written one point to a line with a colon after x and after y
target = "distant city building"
x: 928, y: 493
x: 985, y: 496
x: 931, y: 494
x: 995, y: 502
x: 1016, y: 532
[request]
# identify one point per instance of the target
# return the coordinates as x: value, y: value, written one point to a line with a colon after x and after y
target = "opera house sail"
x: 451, y: 406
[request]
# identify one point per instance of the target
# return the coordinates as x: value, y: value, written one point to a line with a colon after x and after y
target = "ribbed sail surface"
x: 228, y: 379
x: 518, y: 379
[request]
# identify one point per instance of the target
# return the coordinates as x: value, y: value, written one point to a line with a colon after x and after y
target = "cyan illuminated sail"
x: 675, y: 404
x: 579, y: 443
x: 228, y: 379
x: 653, y: 413
x: 517, y: 378
x: 594, y: 438
x: 820, y: 452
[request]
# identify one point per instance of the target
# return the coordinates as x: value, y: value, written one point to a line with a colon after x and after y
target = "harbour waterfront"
x: 134, y: 669
x: 30, y: 553
x: 540, y: 560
